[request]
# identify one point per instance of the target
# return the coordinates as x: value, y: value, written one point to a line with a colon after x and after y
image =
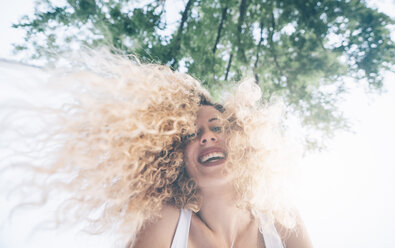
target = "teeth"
x: 214, y: 156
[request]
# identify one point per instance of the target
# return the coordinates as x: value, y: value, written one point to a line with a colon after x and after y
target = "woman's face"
x: 205, y: 155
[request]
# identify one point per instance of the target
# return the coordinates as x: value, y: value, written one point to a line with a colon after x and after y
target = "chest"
x: 201, y: 237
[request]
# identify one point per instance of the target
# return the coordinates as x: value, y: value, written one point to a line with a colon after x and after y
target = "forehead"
x: 206, y: 113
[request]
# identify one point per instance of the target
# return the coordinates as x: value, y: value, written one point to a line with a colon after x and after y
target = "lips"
x: 212, y: 156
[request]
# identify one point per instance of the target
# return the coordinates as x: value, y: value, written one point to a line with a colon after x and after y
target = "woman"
x: 219, y: 222
x: 143, y: 151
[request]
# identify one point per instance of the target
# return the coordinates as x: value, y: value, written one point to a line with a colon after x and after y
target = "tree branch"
x: 228, y: 67
x: 223, y: 18
x: 273, y: 51
x: 257, y: 53
x: 175, y: 46
x: 271, y: 43
x: 242, y: 12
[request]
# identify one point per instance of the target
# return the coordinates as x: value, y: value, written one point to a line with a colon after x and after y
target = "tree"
x: 300, y: 50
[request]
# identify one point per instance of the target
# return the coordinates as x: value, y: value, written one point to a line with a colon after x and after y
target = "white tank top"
x: 180, y: 240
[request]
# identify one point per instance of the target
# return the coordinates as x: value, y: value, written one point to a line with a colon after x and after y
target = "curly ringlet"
x: 122, y: 139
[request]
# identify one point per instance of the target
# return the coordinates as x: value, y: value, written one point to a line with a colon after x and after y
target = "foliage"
x: 297, y: 49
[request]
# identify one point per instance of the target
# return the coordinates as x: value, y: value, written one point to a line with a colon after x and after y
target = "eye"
x: 191, y: 136
x: 216, y: 129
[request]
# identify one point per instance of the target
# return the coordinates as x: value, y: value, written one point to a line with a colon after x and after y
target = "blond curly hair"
x: 119, y: 144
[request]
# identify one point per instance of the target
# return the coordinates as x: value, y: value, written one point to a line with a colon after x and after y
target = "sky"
x: 346, y: 194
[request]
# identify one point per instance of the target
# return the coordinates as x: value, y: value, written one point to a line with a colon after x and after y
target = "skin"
x: 219, y: 221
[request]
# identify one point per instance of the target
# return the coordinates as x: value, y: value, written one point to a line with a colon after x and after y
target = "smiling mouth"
x: 212, y: 157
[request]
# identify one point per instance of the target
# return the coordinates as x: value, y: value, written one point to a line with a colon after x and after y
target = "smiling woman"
x: 143, y: 150
x: 204, y: 154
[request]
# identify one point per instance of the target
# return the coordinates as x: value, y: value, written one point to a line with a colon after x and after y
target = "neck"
x: 220, y: 214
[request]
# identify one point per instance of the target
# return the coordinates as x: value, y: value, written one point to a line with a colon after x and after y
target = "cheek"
x: 189, y: 158
x: 223, y: 138
x: 189, y: 151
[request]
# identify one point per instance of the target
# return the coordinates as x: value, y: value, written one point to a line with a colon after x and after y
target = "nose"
x: 208, y: 136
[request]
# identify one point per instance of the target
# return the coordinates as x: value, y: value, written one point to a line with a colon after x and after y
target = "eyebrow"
x: 213, y: 119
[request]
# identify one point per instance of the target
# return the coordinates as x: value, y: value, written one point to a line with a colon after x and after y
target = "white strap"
x: 180, y: 239
x: 270, y: 234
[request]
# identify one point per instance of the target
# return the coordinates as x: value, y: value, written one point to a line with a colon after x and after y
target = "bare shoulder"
x: 297, y: 237
x: 160, y: 232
